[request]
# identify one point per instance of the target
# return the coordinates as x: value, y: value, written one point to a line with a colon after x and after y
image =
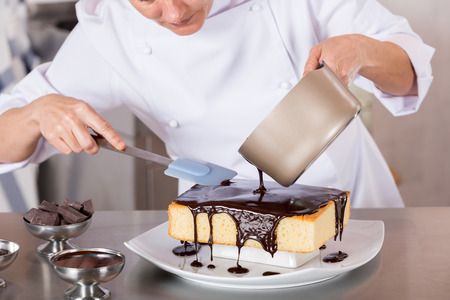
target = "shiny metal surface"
x: 7, y: 259
x: 302, y: 125
x: 412, y: 264
x: 57, y: 236
x: 87, y: 280
x: 135, y: 152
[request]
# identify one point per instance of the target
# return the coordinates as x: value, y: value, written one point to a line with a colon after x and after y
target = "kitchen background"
x: 415, y: 146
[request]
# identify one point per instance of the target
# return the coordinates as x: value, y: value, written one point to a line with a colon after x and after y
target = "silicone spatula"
x: 203, y: 173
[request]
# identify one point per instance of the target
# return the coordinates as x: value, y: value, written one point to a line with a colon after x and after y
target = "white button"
x: 285, y: 85
x: 256, y: 8
x: 174, y: 124
x: 147, y: 50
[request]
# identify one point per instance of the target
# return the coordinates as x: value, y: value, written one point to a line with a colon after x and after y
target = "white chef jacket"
x: 203, y: 94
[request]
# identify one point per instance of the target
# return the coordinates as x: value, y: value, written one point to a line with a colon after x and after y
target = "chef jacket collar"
x: 219, y: 6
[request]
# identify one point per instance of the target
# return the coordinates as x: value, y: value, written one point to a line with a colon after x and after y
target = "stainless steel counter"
x: 414, y: 262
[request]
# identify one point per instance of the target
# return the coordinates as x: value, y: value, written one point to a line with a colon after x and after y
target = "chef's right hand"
x: 65, y: 123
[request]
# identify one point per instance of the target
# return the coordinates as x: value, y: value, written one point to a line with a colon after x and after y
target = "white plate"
x: 361, y: 240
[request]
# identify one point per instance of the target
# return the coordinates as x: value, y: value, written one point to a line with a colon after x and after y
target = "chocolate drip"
x: 261, y: 189
x: 196, y: 264
x: 270, y: 273
x: 256, y: 215
x: 187, y: 249
x: 238, y: 270
x: 226, y: 182
x: 210, y: 239
x: 339, y: 215
x: 250, y: 225
x: 335, y: 257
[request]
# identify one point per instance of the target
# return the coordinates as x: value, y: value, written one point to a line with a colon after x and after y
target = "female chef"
x: 203, y: 74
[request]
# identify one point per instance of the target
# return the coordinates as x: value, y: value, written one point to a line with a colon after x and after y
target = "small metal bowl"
x: 57, y: 236
x: 11, y: 249
x: 87, y: 268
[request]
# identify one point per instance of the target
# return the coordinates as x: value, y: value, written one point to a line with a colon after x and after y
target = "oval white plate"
x: 361, y: 240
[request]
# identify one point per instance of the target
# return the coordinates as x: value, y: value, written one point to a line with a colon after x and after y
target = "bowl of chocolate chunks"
x: 57, y: 224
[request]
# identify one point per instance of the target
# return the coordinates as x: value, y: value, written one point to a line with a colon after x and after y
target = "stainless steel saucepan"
x: 301, y: 126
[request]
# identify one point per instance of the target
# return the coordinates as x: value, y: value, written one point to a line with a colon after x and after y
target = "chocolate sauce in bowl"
x: 87, y: 260
x: 4, y: 252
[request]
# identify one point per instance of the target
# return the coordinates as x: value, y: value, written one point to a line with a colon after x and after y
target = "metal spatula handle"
x: 135, y: 152
x: 204, y: 173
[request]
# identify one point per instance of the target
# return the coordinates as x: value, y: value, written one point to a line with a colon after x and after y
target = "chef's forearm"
x: 390, y: 68
x: 19, y: 134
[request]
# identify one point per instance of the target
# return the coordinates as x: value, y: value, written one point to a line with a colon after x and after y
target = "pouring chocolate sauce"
x: 257, y: 212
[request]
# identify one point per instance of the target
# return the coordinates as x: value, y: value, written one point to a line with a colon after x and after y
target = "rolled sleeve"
x: 43, y: 151
x: 420, y: 55
x: 34, y: 85
x: 21, y: 95
x: 396, y: 29
x: 77, y: 71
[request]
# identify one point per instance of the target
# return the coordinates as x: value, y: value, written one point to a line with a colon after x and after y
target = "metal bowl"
x: 57, y: 236
x: 87, y: 268
x: 7, y: 259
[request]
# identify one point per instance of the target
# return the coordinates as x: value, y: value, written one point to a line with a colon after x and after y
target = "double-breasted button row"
x: 147, y: 50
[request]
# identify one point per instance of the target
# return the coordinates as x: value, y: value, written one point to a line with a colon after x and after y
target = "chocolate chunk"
x: 29, y: 214
x: 64, y: 222
x: 71, y: 215
x: 88, y: 208
x: 40, y: 217
x: 48, y: 206
x: 74, y: 204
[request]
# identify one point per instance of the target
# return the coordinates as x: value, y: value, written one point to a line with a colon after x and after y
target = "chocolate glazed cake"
x: 298, y: 218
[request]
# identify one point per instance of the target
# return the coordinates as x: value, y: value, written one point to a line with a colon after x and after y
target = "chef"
x: 202, y: 74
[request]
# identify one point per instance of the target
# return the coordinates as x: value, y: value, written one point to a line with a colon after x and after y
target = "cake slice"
x: 297, y: 219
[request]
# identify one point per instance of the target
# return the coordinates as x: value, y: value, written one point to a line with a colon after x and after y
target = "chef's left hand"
x: 385, y: 63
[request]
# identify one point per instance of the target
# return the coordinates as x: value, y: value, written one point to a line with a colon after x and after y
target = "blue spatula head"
x: 203, y: 173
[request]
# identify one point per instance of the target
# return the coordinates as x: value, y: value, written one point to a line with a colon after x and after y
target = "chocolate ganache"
x: 257, y: 215
x: 335, y: 257
x: 186, y: 249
